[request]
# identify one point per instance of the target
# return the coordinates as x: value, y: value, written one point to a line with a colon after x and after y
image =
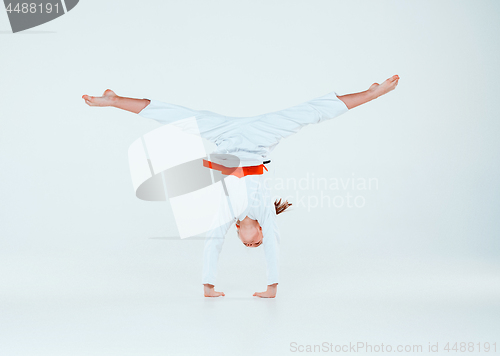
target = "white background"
x: 86, y: 268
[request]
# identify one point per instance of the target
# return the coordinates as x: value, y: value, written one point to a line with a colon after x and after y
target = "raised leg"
x: 375, y: 90
x: 109, y: 98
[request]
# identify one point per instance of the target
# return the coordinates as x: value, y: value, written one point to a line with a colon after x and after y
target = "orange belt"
x: 235, y: 171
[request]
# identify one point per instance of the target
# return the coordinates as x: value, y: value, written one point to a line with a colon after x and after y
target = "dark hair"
x: 281, y: 207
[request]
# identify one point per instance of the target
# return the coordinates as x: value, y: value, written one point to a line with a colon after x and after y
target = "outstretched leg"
x: 109, y: 98
x: 375, y: 90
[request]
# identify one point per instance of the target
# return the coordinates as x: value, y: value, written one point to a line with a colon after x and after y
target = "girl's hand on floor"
x: 269, y: 293
x: 209, y: 291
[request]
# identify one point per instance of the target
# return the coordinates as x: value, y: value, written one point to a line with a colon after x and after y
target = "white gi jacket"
x: 251, y: 139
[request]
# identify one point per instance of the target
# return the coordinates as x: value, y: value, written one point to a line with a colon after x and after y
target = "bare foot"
x: 106, y: 99
x: 385, y: 87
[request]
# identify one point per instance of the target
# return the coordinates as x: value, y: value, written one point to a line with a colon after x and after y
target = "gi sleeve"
x: 283, y: 123
x: 271, y: 250
x: 213, y: 246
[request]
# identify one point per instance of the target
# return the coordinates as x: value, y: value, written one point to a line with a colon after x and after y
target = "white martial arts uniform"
x: 251, y: 139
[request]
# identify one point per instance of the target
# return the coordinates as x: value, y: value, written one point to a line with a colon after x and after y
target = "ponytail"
x: 281, y: 207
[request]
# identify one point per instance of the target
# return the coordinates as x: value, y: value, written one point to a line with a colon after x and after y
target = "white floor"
x: 136, y: 302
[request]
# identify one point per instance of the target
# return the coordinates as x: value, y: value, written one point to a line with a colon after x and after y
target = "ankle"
x: 114, y: 100
x: 374, y: 93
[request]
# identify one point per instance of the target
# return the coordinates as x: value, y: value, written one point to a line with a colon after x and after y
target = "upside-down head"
x: 250, y: 232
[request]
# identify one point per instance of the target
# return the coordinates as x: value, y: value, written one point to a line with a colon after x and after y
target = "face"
x: 249, y: 232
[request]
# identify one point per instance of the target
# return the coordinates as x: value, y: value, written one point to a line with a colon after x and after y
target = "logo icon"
x: 25, y: 14
x: 170, y: 163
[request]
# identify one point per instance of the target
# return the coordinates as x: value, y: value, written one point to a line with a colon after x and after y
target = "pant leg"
x: 283, y: 123
x: 166, y: 113
x: 211, y: 126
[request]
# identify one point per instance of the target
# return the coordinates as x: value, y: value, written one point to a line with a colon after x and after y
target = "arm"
x: 213, y: 247
x: 271, y: 250
x: 211, y: 252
